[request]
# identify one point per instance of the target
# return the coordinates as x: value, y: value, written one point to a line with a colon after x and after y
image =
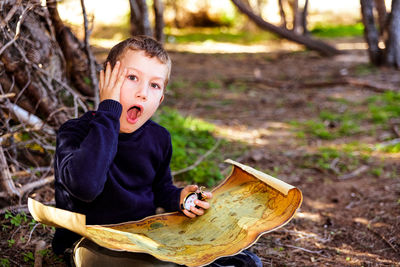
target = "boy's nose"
x: 142, y: 92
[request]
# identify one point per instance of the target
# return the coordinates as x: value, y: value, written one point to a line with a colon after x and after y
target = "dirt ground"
x: 342, y: 222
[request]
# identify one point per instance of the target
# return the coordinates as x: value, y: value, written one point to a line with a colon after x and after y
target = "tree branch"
x: 6, y: 179
x: 313, y: 44
x: 92, y: 61
x: 198, y: 161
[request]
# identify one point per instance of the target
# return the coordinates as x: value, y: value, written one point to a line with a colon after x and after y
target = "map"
x: 247, y: 204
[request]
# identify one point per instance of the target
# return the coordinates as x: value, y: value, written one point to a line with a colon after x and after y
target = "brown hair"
x: 151, y: 48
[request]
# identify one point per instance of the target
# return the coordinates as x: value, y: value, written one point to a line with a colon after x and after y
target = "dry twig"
x: 377, y: 87
x: 384, y: 239
x: 198, y: 161
x: 91, y: 59
x: 18, y: 28
x: 354, y: 173
x: 6, y: 179
x: 40, y: 246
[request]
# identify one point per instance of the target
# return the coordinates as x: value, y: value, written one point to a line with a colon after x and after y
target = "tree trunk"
x: 282, y: 14
x: 370, y: 32
x: 159, y: 20
x: 382, y: 15
x: 389, y: 56
x: 24, y: 60
x: 312, y: 44
x: 392, y: 57
x: 140, y: 24
x: 296, y: 16
x: 75, y: 57
x: 304, y: 19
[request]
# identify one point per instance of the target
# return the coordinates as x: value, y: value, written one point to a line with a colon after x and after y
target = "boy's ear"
x: 162, y: 99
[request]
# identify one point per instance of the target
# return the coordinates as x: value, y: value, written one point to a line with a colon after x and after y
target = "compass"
x: 188, y: 201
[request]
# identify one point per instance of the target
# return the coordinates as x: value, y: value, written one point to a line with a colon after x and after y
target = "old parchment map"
x: 245, y: 206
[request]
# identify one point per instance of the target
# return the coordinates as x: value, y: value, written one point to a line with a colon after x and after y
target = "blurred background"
x: 306, y: 91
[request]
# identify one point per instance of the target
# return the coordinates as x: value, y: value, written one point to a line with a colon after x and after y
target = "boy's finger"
x: 202, y: 204
x: 101, y: 80
x: 208, y: 194
x: 114, y: 74
x: 197, y: 211
x: 107, y: 74
x: 121, y: 79
x: 189, y: 214
x: 193, y: 188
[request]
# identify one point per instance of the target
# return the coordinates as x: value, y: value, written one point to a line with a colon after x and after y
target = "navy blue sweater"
x: 111, y: 177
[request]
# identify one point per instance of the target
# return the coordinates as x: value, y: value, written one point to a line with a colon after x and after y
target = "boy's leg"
x: 89, y: 254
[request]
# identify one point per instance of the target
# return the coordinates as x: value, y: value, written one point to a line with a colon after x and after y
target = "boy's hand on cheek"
x: 201, y: 205
x: 111, y: 81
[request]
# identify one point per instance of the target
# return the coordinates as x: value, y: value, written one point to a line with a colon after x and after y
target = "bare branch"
x: 30, y: 119
x: 39, y: 183
x: 198, y: 161
x: 92, y: 61
x: 18, y: 28
x: 40, y: 246
x: 355, y: 173
x: 6, y: 179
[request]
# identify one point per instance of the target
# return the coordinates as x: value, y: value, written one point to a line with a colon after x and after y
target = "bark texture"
x: 310, y: 43
x: 388, y: 33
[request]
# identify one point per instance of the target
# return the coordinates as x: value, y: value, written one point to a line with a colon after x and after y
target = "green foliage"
x: 330, y: 125
x: 217, y: 34
x: 11, y: 242
x: 331, y: 31
x: 4, y: 262
x: 384, y: 107
x: 28, y: 257
x: 390, y: 148
x: 191, y: 138
x: 323, y: 158
x: 208, y: 85
x: 16, y: 220
x: 378, y: 171
x: 365, y: 69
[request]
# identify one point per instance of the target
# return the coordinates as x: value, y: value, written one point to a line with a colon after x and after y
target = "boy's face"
x: 142, y: 90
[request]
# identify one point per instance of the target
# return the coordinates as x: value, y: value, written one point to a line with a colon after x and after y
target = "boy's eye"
x: 156, y: 86
x: 132, y: 77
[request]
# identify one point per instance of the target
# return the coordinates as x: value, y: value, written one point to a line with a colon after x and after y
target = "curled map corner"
x: 246, y: 205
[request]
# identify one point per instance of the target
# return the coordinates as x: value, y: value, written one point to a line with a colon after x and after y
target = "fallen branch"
x: 376, y: 87
x: 354, y: 173
x: 27, y: 118
x: 40, y: 246
x: 17, y: 29
x: 333, y: 167
x: 384, y: 239
x: 89, y: 54
x: 22, y: 208
x: 30, y: 234
x: 9, y: 95
x: 388, y: 143
x: 303, y: 249
x: 39, y: 183
x: 6, y: 179
x: 10, y: 14
x: 198, y: 161
x: 29, y: 187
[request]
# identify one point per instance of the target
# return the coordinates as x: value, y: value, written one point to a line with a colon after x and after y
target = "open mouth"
x: 134, y: 113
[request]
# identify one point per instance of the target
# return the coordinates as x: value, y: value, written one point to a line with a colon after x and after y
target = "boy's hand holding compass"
x: 193, y: 201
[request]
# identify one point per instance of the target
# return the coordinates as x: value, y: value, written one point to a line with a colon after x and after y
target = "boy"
x: 113, y: 164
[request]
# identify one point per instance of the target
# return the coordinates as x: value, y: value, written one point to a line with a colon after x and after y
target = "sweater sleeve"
x: 84, y: 152
x: 166, y: 194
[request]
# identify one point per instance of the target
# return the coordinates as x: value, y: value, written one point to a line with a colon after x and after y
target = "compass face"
x: 189, y: 201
